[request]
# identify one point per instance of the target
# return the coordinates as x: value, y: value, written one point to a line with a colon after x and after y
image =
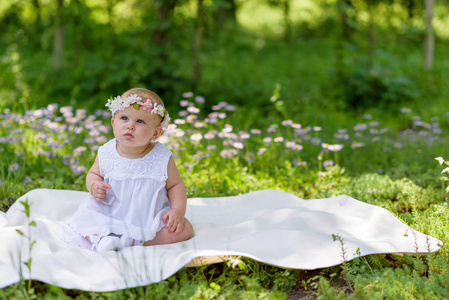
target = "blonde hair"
x: 144, y: 94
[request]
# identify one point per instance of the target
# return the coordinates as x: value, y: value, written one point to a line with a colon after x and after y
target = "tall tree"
x: 369, y: 5
x: 285, y: 5
x: 429, y: 39
x: 58, y: 46
x: 225, y: 11
x: 196, y: 43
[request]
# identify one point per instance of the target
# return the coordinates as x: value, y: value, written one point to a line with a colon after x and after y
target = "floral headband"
x: 152, y: 107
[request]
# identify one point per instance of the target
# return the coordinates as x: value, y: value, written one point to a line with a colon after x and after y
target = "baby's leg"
x: 164, y: 236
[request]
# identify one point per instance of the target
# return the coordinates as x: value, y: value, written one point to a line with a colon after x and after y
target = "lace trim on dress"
x: 152, y: 165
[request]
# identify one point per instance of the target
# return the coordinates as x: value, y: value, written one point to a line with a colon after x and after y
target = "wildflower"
x: 299, y: 163
x: 287, y: 122
x: 317, y: 128
x: 374, y: 131
x: 198, y: 124
x: 225, y: 153
x: 182, y: 113
x: 238, y: 145
x: 179, y: 121
x: 398, y: 145
x: 77, y: 151
x: 296, y: 126
x: 94, y: 133
x: 193, y: 109
x: 357, y: 144
x: 200, y: 99
x: 187, y: 94
x: 289, y: 144
x: 261, y: 151
x: 316, y: 141
x: 278, y: 139
x: 202, y: 154
x: 297, y: 147
x: 230, y: 107
x: 40, y: 136
x: 222, y: 116
x: 375, y: 139
x: 360, y: 127
x: 13, y: 167
x: 249, y: 157
x: 27, y: 179
x: 367, y: 116
x: 77, y: 170
x: 255, y: 131
x: 341, y: 136
x: 211, y: 147
x: 328, y: 163
x: 423, y: 133
x: 324, y: 145
x: 341, y: 131
x: 405, y: 110
x: 244, y: 135
x: 67, y: 160
x: 227, y: 128
x: 272, y: 128
x: 335, y: 148
x: 210, y: 135
x: 191, y: 118
x: 440, y: 160
x: 196, y: 136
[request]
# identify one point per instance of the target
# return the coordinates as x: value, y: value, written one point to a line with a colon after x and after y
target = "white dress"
x: 138, y: 200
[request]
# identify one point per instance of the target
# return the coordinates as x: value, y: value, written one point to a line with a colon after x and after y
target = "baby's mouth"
x: 128, y: 136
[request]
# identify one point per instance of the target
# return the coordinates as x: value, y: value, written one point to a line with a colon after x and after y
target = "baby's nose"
x: 130, y: 125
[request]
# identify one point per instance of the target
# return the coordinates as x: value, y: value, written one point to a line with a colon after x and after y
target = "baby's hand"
x: 175, y: 220
x: 98, y: 190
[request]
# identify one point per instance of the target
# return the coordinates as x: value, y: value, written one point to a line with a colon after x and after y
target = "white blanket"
x: 269, y: 226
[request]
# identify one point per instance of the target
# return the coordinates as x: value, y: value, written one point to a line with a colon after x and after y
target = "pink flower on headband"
x: 148, y: 106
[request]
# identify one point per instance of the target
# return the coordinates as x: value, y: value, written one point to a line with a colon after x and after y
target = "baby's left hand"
x: 175, y: 220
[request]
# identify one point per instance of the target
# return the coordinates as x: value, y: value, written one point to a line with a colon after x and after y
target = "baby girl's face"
x: 135, y: 128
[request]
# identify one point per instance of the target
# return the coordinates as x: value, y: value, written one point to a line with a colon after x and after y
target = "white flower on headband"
x: 152, y: 107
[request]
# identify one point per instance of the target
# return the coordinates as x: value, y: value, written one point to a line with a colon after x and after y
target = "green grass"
x: 409, y: 187
x: 246, y: 66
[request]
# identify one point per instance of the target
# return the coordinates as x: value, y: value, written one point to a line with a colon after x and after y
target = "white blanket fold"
x: 269, y: 226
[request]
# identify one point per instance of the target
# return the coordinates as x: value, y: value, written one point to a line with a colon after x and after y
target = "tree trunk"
x: 370, y: 34
x: 37, y: 7
x: 196, y: 44
x: 429, y: 39
x: 165, y: 11
x: 163, y: 71
x: 226, y: 12
x: 287, y: 23
x: 58, y: 47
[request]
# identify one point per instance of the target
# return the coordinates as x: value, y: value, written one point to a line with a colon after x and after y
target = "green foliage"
x: 110, y: 47
x: 366, y: 87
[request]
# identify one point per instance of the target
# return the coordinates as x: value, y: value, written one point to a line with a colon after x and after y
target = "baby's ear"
x: 157, y: 132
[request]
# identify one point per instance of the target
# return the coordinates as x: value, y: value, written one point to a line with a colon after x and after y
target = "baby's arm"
x: 177, y: 196
x: 94, y: 182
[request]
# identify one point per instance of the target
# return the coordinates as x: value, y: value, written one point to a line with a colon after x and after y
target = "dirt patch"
x: 305, y: 289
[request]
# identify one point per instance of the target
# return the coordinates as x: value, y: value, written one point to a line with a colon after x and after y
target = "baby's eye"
x: 124, y: 118
x: 140, y: 121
